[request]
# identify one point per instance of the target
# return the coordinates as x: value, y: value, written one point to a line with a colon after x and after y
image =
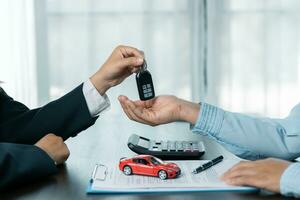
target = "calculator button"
x: 164, y: 146
x: 168, y: 143
x: 195, y: 147
x: 200, y: 146
x: 185, y: 144
x: 179, y: 146
x: 171, y: 145
x: 155, y: 148
x: 151, y: 143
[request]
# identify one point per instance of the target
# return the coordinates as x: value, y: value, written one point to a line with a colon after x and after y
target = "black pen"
x: 208, y: 165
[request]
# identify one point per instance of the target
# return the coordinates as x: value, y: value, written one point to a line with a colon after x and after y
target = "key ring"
x: 144, y: 66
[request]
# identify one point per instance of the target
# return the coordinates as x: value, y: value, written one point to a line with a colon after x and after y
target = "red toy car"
x: 150, y: 166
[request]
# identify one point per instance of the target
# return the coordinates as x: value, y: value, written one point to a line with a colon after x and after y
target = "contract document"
x: 109, y: 179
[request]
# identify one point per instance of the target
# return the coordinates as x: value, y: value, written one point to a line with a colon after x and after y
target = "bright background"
x: 241, y: 55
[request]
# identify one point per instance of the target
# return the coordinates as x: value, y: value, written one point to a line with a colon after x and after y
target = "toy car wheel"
x: 127, y: 170
x: 162, y: 174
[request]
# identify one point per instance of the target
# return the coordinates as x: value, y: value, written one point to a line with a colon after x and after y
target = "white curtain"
x: 17, y: 50
x: 252, y: 48
x: 81, y: 35
x: 254, y: 55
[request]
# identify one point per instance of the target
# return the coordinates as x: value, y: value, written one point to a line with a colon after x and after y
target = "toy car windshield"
x: 156, y: 161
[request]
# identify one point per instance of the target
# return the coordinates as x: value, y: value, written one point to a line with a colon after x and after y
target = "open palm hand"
x: 160, y: 110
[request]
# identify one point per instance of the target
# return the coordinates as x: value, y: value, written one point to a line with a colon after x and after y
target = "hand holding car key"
x: 144, y: 83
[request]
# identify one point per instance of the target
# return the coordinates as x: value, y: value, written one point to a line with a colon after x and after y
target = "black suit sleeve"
x: 65, y: 117
x: 20, y: 128
x: 21, y: 163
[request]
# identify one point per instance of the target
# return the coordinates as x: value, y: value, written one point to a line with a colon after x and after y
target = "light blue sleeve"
x: 253, y: 138
x: 290, y: 181
x: 250, y: 137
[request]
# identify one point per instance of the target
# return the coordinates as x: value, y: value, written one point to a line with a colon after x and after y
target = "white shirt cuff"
x: 95, y: 102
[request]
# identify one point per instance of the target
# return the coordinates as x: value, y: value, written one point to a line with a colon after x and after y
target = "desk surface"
x: 100, y: 144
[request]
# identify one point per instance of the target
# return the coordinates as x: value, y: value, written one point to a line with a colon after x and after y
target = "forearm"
x: 188, y: 111
x: 100, y: 83
x: 65, y: 117
x: 17, y: 161
x: 246, y: 136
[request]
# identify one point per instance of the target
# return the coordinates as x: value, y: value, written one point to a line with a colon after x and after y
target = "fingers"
x: 123, y: 100
x: 135, y: 62
x: 55, y: 147
x: 236, y: 169
x: 242, y: 173
x: 132, y: 58
x: 128, y: 51
x: 145, y: 104
x: 134, y: 111
x: 131, y: 115
x: 245, y: 180
x: 65, y: 153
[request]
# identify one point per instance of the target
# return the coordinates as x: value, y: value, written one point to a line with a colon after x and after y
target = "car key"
x: 144, y: 83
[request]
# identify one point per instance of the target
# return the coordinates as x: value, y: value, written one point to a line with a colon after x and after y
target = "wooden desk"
x: 105, y: 142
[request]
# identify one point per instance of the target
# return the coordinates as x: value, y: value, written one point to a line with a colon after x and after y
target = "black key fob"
x: 145, y: 84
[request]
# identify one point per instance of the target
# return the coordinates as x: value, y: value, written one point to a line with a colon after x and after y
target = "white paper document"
x: 110, y: 179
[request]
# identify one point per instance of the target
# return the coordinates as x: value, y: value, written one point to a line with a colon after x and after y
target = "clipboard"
x: 110, y: 180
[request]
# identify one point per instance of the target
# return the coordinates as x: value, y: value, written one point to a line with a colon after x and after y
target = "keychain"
x: 144, y: 83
